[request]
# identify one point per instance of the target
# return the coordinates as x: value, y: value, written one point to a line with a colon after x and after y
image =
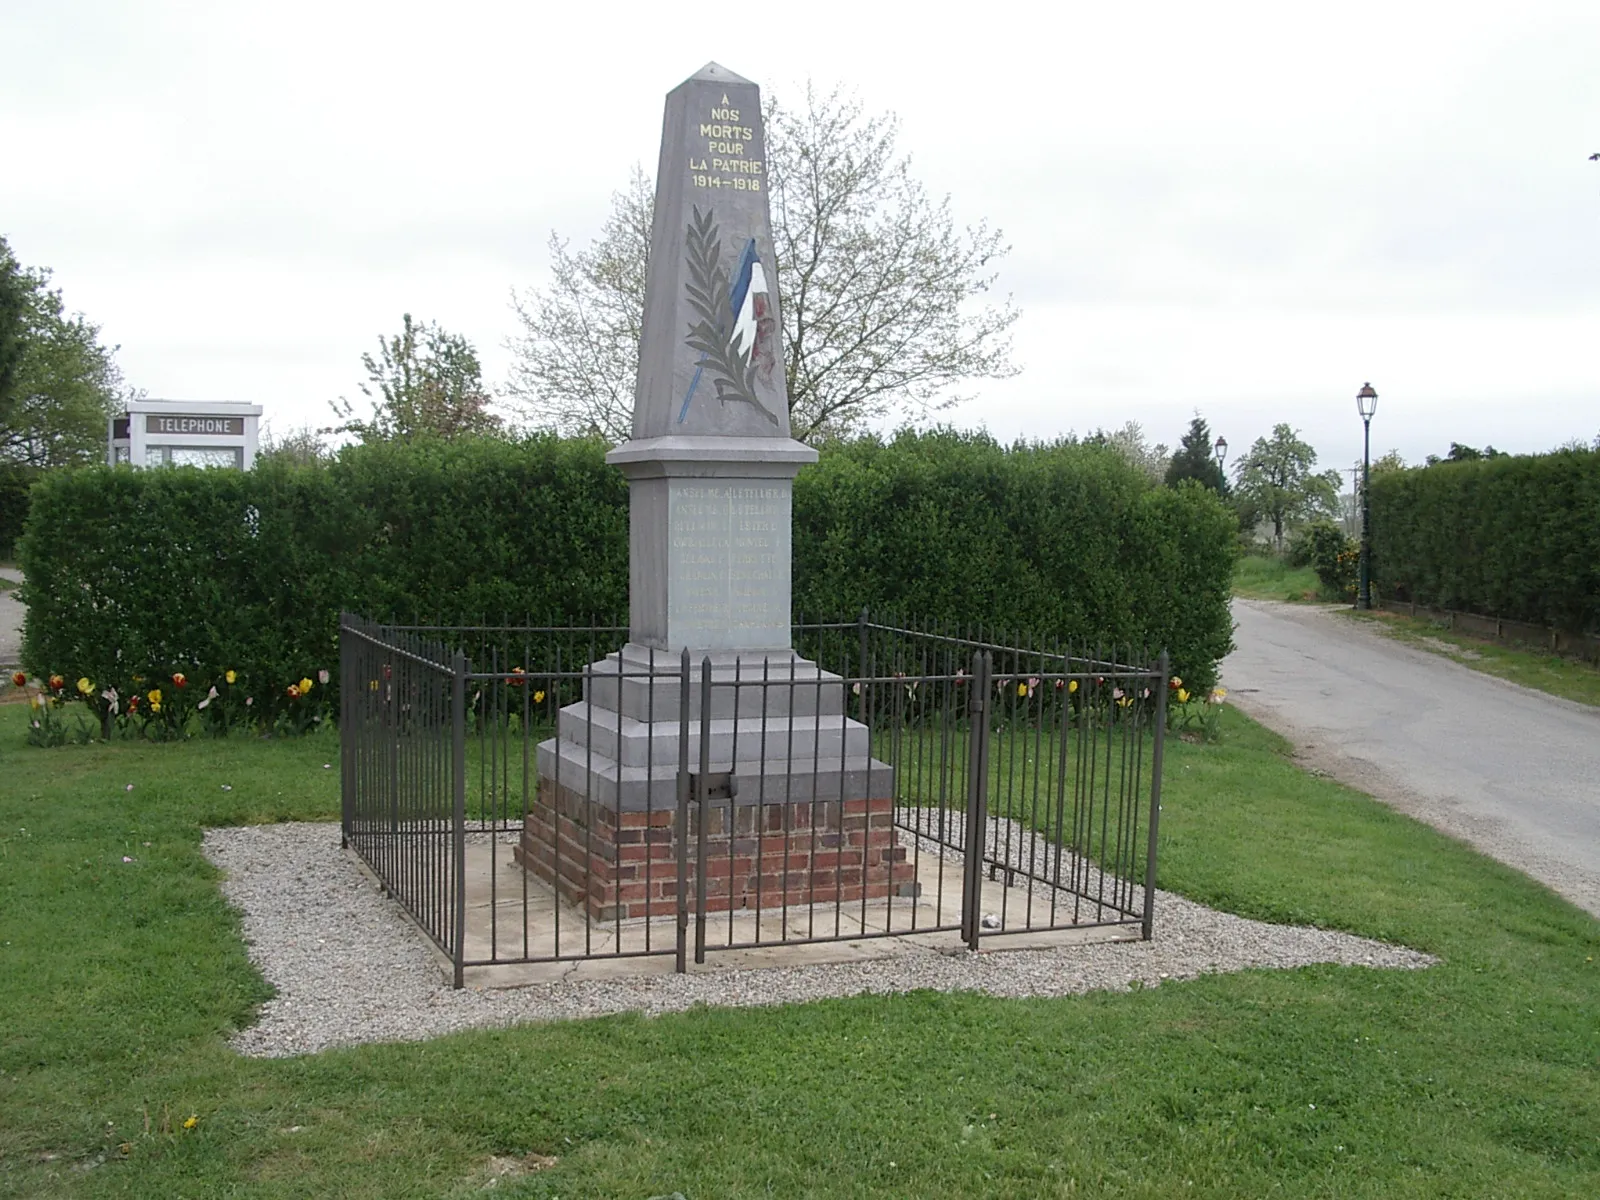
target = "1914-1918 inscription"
x: 728, y: 556
x: 728, y: 159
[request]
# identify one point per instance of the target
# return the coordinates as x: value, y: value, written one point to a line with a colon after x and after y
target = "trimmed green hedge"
x: 1515, y: 537
x: 146, y: 572
x: 1055, y: 540
x: 150, y: 572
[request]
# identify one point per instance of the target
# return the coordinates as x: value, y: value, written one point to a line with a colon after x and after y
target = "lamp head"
x: 1366, y: 402
x: 1222, y: 450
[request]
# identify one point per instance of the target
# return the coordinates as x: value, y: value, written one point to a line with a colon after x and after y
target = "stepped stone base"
x: 620, y: 865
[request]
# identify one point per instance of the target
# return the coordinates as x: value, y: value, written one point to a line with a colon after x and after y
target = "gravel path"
x: 1513, y: 772
x: 350, y: 968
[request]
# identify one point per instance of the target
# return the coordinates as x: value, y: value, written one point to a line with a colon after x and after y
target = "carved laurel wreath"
x: 708, y: 297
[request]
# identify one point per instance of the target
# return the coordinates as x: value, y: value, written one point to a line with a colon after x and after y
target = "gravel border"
x: 350, y: 968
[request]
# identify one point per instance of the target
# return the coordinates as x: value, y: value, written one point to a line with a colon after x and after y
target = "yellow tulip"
x: 230, y: 675
x: 153, y: 695
x: 1072, y: 686
x: 85, y: 686
x: 305, y: 686
x: 1183, y: 695
x: 538, y: 697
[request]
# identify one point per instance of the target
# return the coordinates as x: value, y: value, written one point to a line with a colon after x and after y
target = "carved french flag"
x: 749, y: 302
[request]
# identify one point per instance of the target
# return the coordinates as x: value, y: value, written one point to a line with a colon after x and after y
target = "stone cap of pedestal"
x: 711, y: 456
x: 752, y: 742
x: 645, y: 684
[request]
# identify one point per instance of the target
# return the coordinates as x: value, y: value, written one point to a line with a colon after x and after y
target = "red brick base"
x: 626, y: 864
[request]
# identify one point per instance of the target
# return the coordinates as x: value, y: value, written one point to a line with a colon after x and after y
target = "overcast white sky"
x: 1245, y: 209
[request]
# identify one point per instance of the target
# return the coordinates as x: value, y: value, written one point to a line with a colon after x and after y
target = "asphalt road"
x: 1514, y: 772
x: 11, y: 613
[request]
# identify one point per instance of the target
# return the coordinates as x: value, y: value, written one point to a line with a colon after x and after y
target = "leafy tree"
x: 1196, y: 459
x: 1131, y: 443
x: 1460, y: 453
x: 1276, y: 481
x: 58, y: 384
x: 1391, y: 461
x: 424, y: 381
x: 14, y: 295
x: 879, y: 289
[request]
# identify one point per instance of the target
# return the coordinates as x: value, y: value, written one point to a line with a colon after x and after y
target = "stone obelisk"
x: 711, y: 463
x: 710, y: 469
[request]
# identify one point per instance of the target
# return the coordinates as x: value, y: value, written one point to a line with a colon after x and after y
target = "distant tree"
x: 1460, y: 453
x: 1277, y: 482
x: 1391, y: 461
x: 879, y: 289
x: 1196, y: 458
x: 1131, y: 443
x: 303, y: 446
x: 424, y: 381
x: 58, y: 385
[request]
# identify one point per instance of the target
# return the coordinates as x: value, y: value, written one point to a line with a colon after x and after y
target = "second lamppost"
x: 1366, y: 405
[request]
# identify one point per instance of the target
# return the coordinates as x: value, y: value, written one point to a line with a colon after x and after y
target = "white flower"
x: 210, y: 696
x: 322, y: 676
x: 110, y: 696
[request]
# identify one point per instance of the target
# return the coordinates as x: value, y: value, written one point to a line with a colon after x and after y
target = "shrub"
x: 1514, y: 537
x: 1335, y: 558
x: 150, y: 573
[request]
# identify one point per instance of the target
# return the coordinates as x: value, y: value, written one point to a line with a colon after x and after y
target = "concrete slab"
x: 511, y: 914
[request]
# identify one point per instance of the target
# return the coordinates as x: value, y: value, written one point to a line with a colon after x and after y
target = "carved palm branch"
x: 708, y: 289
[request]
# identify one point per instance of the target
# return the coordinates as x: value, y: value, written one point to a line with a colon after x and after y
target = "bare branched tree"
x: 577, y: 357
x: 882, y: 295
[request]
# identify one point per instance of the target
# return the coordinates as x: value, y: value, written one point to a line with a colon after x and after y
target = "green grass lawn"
x: 119, y: 983
x: 1570, y: 678
x: 1273, y: 579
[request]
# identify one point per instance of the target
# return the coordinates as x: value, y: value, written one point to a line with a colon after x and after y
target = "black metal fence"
x: 535, y: 795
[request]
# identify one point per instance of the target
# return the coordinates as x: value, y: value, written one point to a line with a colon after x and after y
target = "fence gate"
x: 535, y: 794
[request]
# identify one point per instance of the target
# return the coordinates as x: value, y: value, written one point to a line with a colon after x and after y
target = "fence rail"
x: 543, y: 794
x: 1524, y: 633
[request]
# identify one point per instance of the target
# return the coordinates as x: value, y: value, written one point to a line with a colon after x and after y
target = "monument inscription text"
x: 728, y: 556
x: 726, y: 161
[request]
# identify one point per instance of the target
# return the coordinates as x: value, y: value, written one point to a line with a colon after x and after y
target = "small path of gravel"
x: 350, y: 968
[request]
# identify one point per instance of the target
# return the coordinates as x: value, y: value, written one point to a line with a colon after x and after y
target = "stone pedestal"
x: 798, y: 811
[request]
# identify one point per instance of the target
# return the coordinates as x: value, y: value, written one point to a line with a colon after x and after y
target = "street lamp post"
x: 1366, y: 405
x: 1221, y: 451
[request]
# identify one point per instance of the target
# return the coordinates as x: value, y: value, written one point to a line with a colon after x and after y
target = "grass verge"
x: 120, y: 980
x: 1571, y: 679
x: 1273, y: 579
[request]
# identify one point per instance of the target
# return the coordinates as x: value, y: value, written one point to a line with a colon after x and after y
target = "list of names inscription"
x: 728, y: 559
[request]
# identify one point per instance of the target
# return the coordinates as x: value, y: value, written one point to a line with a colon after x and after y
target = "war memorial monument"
x: 710, y: 470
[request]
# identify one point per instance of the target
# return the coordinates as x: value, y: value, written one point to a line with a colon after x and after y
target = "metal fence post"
x: 700, y: 812
x: 681, y: 820
x: 347, y: 689
x: 977, y: 801
x: 862, y: 673
x: 1148, y: 926
x: 458, y: 785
